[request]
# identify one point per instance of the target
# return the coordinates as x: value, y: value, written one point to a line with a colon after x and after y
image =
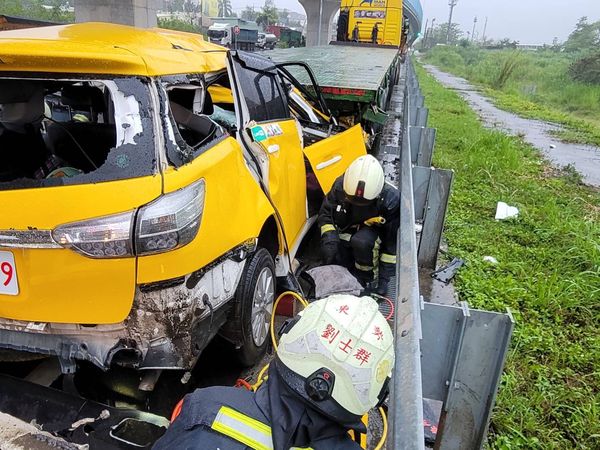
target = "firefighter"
x: 332, y: 366
x: 374, y: 33
x: 359, y: 221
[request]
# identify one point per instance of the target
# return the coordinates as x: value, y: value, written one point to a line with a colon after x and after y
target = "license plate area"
x: 8, y: 274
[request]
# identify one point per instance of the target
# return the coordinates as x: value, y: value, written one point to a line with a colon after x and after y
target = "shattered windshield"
x: 64, y: 131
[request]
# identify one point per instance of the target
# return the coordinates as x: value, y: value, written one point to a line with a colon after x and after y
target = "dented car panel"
x: 78, y: 48
x: 327, y: 156
x: 166, y: 328
x: 233, y: 211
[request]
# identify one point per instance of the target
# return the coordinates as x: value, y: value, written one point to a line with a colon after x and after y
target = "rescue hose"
x: 302, y: 301
x: 260, y: 379
x: 379, y: 445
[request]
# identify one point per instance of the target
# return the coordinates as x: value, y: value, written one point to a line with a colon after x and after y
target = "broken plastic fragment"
x: 490, y: 259
x: 446, y: 273
x: 186, y: 377
x: 504, y: 211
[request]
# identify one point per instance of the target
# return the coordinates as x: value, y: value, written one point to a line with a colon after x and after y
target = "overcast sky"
x: 527, y: 21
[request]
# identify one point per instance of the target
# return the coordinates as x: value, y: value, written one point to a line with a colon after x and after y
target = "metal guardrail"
x: 447, y: 354
x: 406, y: 401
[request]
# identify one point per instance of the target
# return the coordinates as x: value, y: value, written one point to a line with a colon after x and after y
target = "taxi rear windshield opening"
x: 56, y: 132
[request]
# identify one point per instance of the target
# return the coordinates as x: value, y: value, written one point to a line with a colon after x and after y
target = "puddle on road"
x: 435, y: 291
x: 584, y: 158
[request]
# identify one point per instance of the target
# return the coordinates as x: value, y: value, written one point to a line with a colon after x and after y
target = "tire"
x: 254, y: 300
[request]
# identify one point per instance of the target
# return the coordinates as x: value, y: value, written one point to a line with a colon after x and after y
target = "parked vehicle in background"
x: 234, y: 33
x: 266, y: 41
x: 287, y: 36
x: 153, y: 188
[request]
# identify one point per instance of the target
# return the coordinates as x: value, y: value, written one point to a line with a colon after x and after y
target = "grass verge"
x: 576, y: 130
x: 532, y: 84
x: 548, y: 273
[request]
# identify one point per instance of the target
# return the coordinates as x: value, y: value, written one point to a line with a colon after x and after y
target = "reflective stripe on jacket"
x: 228, y: 418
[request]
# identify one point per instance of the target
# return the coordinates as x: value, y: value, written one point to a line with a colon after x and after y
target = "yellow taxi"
x: 153, y: 188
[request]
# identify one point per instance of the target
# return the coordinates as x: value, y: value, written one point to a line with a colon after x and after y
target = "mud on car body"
x: 153, y: 187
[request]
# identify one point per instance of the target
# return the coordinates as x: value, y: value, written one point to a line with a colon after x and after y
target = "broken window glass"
x: 64, y: 131
x: 190, y: 128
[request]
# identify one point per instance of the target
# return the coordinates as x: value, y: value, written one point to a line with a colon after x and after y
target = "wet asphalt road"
x: 584, y: 158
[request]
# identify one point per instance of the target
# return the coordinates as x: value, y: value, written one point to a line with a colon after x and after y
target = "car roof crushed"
x: 103, y: 48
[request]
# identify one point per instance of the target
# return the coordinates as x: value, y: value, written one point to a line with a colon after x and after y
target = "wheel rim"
x: 262, y: 306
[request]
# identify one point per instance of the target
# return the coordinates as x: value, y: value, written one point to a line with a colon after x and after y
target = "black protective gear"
x: 363, y: 244
x: 382, y: 287
x: 299, y: 424
x: 330, y: 243
x: 386, y: 272
x: 293, y: 421
x: 338, y: 215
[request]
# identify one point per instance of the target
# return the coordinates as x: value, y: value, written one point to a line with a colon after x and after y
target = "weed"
x: 548, y: 272
x: 507, y: 69
x: 570, y: 172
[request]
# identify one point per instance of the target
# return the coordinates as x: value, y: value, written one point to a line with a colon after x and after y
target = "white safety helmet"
x: 363, y: 179
x: 340, y: 353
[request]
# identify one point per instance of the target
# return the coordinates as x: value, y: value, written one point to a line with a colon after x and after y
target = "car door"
x: 272, y: 138
x: 333, y: 148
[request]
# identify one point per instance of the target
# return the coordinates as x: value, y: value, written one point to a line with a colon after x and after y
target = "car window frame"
x: 178, y: 151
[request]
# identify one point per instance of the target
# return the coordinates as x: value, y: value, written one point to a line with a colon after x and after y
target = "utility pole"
x: 473, y: 33
x: 484, y: 30
x: 430, y: 36
x: 452, y: 4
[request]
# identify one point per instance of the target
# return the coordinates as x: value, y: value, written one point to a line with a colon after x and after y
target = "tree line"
x: 583, y: 45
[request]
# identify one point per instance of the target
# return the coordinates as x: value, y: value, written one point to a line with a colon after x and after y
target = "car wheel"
x: 255, y: 296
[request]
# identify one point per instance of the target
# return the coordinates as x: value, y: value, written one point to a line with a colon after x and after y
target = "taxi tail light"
x: 103, y: 237
x: 167, y: 223
x: 171, y: 221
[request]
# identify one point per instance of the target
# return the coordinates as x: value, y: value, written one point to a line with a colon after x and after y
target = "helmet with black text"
x: 338, y: 356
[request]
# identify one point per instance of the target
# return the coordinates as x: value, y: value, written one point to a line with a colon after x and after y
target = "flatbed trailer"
x: 349, y: 84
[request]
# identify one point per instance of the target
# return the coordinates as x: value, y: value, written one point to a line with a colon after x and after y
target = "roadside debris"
x: 16, y: 434
x: 105, y: 414
x: 504, y: 211
x: 490, y: 259
x: 445, y: 274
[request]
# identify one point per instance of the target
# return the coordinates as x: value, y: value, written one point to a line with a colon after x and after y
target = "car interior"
x: 54, y: 128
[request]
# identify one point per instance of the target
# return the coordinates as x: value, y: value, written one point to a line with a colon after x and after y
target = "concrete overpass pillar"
x: 139, y: 13
x: 313, y: 14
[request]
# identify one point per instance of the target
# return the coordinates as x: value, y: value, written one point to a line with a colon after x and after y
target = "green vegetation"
x: 48, y: 10
x: 587, y: 69
x: 584, y: 38
x: 548, y: 273
x: 533, y: 84
x: 178, y: 25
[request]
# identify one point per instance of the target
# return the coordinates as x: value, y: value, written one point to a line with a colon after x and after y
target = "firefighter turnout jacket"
x: 361, y: 225
x: 273, y: 418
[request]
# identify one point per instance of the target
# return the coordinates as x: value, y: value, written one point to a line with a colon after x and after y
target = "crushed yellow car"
x: 153, y: 186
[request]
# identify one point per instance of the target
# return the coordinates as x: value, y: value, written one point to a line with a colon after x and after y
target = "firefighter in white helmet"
x: 359, y: 221
x: 332, y: 366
